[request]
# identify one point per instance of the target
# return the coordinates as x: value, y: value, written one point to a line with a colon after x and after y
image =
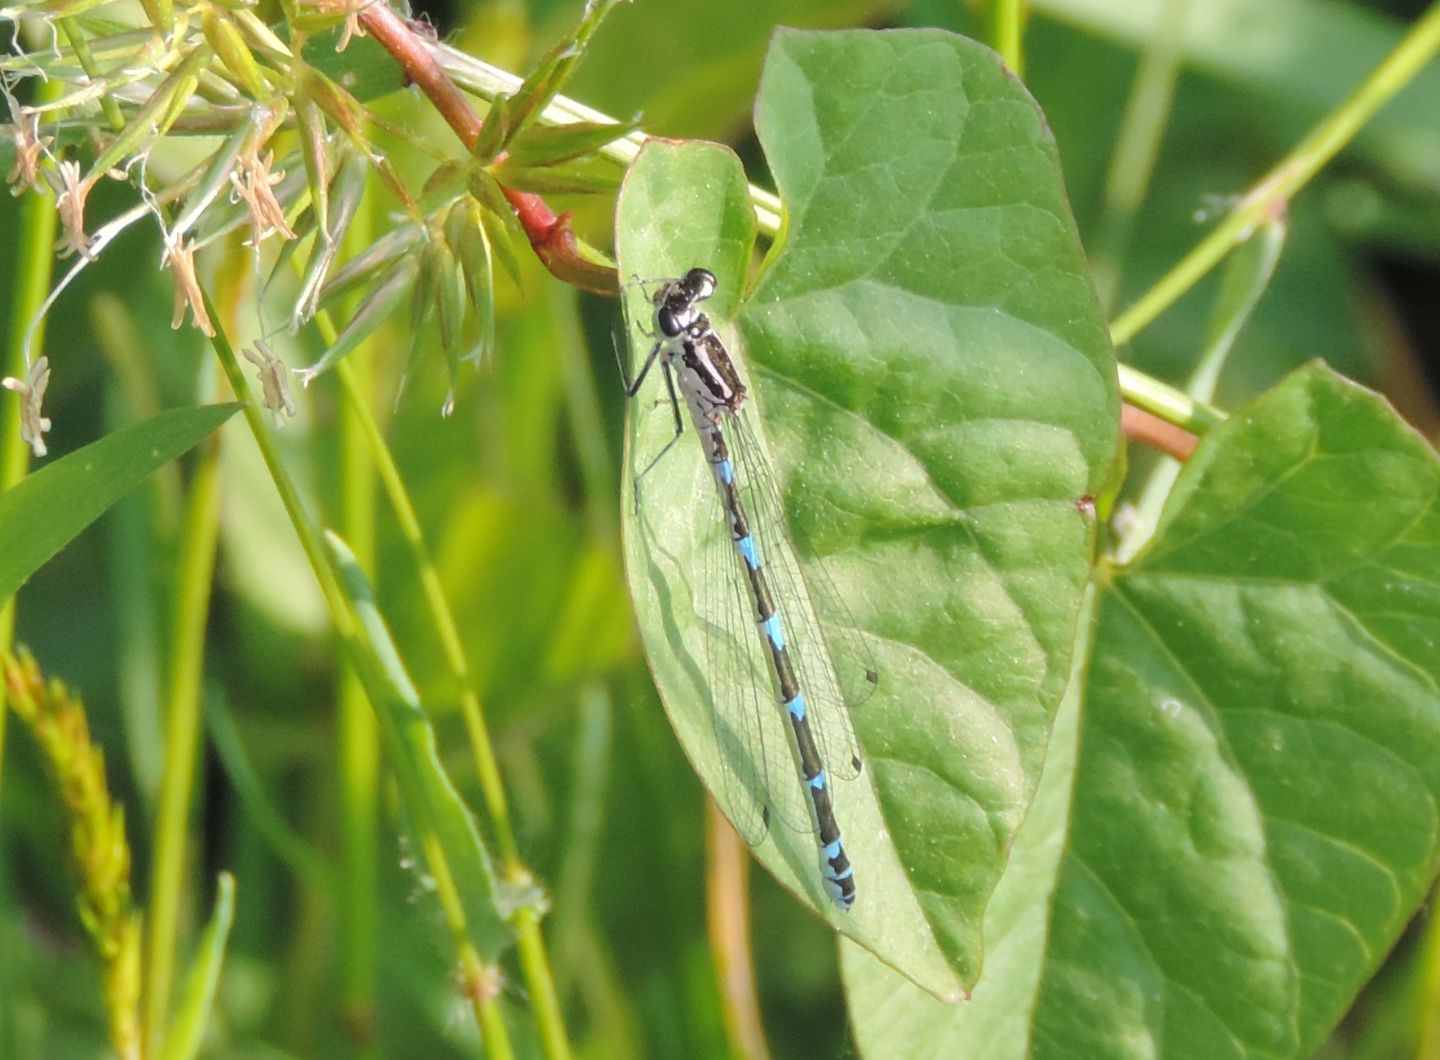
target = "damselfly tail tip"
x: 837, y: 874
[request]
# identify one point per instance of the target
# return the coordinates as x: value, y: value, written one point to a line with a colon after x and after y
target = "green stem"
x: 534, y: 962
x: 359, y: 732
x: 1171, y: 405
x: 347, y: 629
x: 491, y: 786
x: 81, y: 46
x: 182, y: 731
x: 34, y: 266
x: 1007, y: 24
x: 1133, y: 163
x: 1272, y: 193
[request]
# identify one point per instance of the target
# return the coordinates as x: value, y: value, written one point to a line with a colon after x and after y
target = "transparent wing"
x: 759, y: 781
x: 835, y: 668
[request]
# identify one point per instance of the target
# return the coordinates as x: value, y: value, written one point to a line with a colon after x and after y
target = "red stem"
x: 550, y: 235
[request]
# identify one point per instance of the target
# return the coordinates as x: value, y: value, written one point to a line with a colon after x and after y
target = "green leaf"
x: 187, y: 1029
x: 544, y: 145
x: 939, y: 368
x: 41, y: 514
x: 435, y: 806
x: 1254, y: 816
x: 935, y: 381
x: 892, y: 1017
x: 1262, y: 737
x: 586, y: 176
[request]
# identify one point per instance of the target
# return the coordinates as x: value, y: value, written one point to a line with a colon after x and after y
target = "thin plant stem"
x: 1275, y: 190
x: 181, y: 735
x: 491, y: 787
x: 1166, y: 402
x: 359, y: 740
x: 534, y: 962
x: 1247, y: 277
x: 1007, y: 25
x: 727, y: 900
x: 1133, y: 163
x: 34, y: 267
x: 485, y: 1002
x: 80, y: 44
x: 195, y: 577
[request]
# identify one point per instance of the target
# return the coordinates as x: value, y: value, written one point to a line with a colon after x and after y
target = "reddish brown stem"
x: 1156, y: 433
x: 728, y: 913
x: 550, y: 235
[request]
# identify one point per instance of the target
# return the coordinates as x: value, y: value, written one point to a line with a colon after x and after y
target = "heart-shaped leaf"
x: 1254, y: 813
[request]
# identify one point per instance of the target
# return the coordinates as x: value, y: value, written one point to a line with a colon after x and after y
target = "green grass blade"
x: 187, y: 1029
x: 435, y: 805
x: 46, y: 511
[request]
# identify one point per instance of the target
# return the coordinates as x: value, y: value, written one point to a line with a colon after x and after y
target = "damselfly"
x: 786, y: 660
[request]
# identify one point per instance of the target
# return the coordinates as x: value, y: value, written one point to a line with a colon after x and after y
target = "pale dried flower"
x: 29, y: 146
x: 274, y: 382
x: 252, y: 181
x: 32, y: 392
x: 352, y: 9
x: 180, y: 259
x: 71, y: 205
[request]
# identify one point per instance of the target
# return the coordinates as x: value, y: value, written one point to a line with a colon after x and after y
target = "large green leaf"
x: 891, y: 1017
x: 936, y: 386
x: 41, y: 514
x: 1255, y: 804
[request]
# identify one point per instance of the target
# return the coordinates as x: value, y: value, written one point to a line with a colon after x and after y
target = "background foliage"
x: 336, y: 947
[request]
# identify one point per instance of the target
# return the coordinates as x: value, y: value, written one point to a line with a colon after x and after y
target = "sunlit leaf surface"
x: 1254, y: 810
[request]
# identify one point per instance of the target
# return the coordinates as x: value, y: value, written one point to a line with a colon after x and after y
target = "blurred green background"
x: 518, y: 496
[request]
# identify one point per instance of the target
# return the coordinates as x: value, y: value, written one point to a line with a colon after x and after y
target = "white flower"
x: 32, y: 392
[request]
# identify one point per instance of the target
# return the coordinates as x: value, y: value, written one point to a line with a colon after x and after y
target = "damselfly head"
x: 675, y: 301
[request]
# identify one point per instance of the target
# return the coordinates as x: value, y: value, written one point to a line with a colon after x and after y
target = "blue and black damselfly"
x: 787, y: 661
